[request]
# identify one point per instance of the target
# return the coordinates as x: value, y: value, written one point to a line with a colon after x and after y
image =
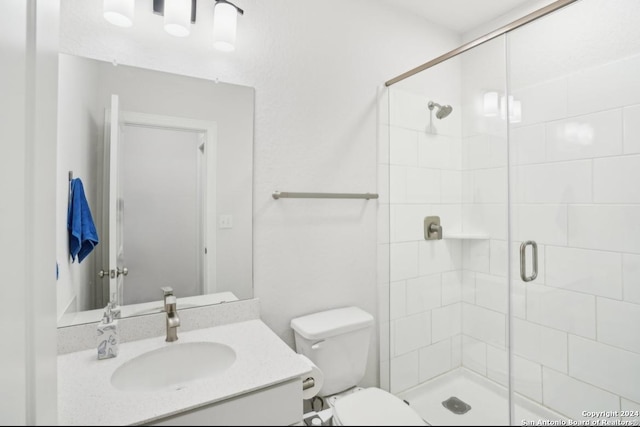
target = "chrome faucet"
x: 173, y: 321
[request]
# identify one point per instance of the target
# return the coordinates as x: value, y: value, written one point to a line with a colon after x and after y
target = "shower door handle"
x: 523, y: 261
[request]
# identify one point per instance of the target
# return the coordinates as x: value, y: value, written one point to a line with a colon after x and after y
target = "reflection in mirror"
x: 166, y: 162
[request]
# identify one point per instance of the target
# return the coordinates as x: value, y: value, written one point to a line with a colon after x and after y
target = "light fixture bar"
x: 158, y: 9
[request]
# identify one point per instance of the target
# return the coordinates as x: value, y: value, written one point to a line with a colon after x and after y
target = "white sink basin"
x: 172, y: 366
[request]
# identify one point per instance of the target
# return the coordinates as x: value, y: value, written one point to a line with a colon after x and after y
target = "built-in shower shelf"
x: 466, y: 236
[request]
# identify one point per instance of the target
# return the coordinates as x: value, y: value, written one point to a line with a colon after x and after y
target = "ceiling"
x: 459, y: 15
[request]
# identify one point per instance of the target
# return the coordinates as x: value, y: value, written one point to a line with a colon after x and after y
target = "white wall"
x: 315, y: 72
x: 79, y: 134
x: 27, y: 187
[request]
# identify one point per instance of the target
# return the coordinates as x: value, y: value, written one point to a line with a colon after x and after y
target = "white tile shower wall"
x: 631, y: 135
x: 435, y: 360
x: 426, y: 281
x: 446, y: 322
x: 474, y: 354
x: 424, y: 293
x: 484, y: 324
x: 451, y: 287
x: 584, y: 137
x: 570, y: 396
x: 405, y: 371
x: 540, y: 344
x: 630, y: 274
x: 614, y: 319
x: 498, y: 365
x: 568, y: 311
x: 612, y: 180
x: 605, y: 366
x: 411, y: 333
x: 593, y: 272
x: 527, y: 378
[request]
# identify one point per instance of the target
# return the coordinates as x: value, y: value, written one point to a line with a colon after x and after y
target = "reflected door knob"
x: 111, y: 274
x: 124, y: 271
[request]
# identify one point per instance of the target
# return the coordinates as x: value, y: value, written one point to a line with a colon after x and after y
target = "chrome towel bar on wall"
x: 286, y: 195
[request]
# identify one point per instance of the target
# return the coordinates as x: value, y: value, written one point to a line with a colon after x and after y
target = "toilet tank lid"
x: 329, y: 323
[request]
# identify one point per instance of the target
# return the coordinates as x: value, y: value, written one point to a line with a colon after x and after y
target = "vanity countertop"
x: 86, y: 396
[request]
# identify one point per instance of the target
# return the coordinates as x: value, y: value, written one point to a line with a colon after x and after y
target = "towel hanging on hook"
x: 83, y: 236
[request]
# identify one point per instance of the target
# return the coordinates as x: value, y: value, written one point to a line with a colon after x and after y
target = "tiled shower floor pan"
x: 488, y: 401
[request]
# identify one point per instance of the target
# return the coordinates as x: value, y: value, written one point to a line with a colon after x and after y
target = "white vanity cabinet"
x: 278, y: 405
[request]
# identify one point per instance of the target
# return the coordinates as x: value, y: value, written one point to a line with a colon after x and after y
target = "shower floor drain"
x: 456, y: 405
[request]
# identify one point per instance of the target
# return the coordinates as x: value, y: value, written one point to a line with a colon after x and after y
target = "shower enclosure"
x: 528, y: 307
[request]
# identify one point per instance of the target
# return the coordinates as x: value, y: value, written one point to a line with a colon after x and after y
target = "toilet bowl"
x: 337, y: 342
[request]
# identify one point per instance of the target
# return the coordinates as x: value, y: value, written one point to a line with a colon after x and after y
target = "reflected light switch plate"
x: 225, y: 221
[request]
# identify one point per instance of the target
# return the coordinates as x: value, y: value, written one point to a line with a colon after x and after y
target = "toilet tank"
x: 337, y: 341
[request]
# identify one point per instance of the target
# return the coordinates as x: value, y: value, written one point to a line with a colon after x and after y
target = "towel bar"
x: 283, y: 195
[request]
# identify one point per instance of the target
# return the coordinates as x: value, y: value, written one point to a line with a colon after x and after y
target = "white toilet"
x: 337, y: 341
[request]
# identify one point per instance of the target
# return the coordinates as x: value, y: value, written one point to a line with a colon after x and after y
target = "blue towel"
x: 83, y: 236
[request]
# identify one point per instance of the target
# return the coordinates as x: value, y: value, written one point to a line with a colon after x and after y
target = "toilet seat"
x: 374, y: 407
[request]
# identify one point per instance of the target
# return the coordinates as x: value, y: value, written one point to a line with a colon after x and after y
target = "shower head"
x: 443, y: 110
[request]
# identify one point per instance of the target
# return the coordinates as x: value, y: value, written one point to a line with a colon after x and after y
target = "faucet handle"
x: 432, y: 228
x: 167, y: 292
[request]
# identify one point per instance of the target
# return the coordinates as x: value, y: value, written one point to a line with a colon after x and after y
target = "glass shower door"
x: 574, y: 142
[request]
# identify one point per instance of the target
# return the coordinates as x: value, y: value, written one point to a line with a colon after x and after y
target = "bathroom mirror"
x: 182, y: 176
